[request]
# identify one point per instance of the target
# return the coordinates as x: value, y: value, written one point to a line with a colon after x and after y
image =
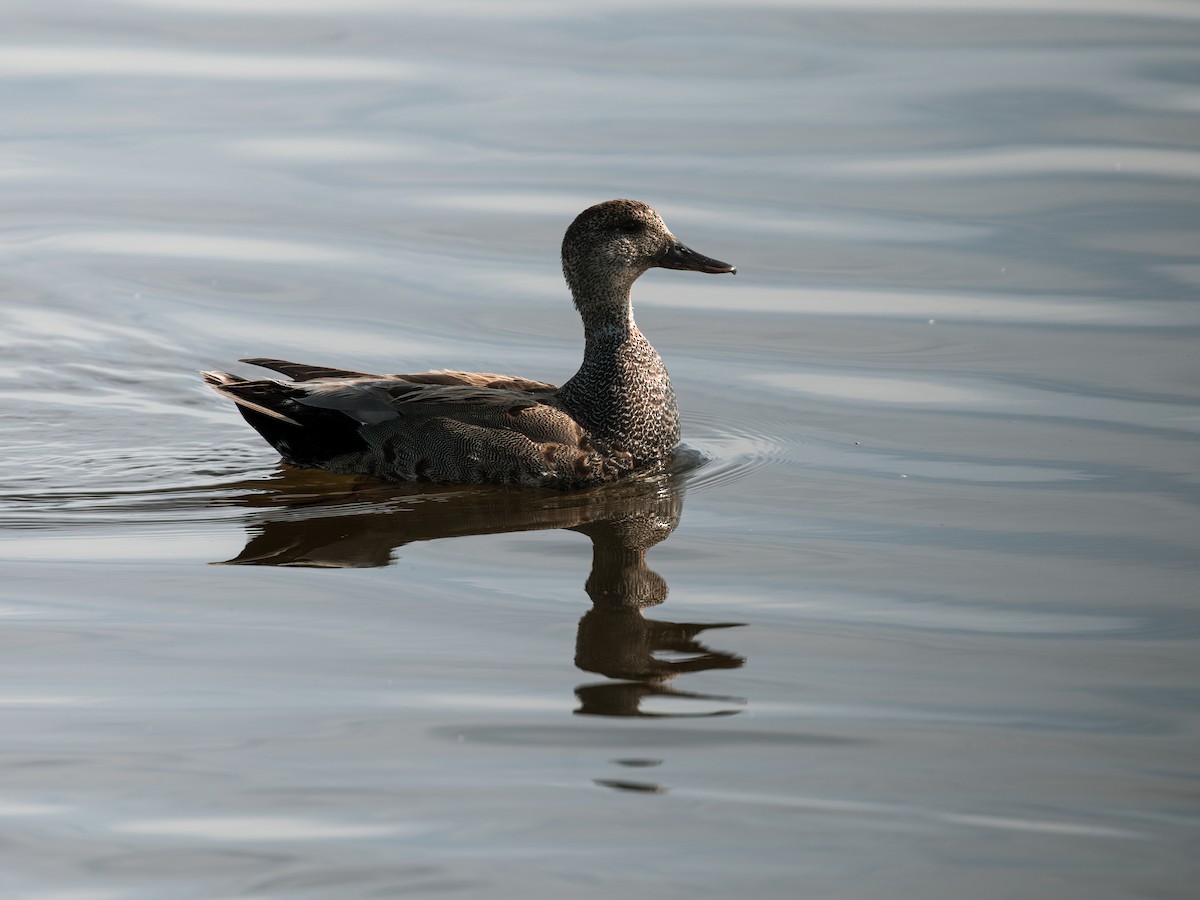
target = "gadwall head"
x: 610, y: 244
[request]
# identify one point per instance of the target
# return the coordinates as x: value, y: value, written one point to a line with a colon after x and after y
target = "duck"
x: 615, y: 418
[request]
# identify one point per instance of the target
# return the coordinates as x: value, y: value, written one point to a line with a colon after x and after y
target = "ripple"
x: 929, y: 614
x: 1004, y: 162
x: 257, y: 828
x: 923, y: 307
x: 855, y: 226
x: 876, y: 389
x: 990, y: 396
x: 13, y: 809
x: 880, y: 812
x: 65, y: 60
x: 730, y: 450
x: 134, y: 490
x: 316, y: 149
x: 191, y: 245
x: 1168, y: 9
x: 475, y: 9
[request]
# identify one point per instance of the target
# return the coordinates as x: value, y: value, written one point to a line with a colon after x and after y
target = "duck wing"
x: 374, y: 400
x: 304, y: 372
x: 451, y: 377
x: 459, y: 427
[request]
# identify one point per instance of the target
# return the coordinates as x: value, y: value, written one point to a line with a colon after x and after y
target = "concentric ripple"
x: 727, y: 450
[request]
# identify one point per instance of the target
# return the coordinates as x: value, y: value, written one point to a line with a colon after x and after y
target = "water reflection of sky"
x: 941, y: 458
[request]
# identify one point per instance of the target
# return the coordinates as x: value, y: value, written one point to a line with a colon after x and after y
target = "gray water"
x: 931, y: 546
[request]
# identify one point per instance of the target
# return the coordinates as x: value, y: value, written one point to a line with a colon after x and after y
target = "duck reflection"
x: 309, y: 518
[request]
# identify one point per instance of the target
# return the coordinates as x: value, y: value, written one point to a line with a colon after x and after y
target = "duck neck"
x: 621, y: 393
x: 608, y: 333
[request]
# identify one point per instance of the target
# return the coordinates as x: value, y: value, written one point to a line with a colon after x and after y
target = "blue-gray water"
x: 932, y: 551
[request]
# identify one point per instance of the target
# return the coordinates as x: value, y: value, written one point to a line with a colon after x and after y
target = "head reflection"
x: 313, y: 519
x: 616, y: 640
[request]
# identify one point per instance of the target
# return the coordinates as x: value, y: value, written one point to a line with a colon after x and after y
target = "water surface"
x: 913, y: 614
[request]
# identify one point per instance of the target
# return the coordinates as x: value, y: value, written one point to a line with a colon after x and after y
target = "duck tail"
x: 215, y: 379
x: 262, y: 397
x: 304, y: 435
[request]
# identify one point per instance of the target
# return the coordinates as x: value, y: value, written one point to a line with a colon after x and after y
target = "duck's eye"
x: 632, y: 226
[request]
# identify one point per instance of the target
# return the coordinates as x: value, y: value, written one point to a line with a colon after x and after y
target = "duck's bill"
x: 680, y: 257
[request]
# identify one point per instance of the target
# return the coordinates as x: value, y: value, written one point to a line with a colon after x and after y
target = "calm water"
x: 933, y: 625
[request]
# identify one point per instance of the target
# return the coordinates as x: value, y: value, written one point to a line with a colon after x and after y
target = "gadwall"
x: 616, y: 416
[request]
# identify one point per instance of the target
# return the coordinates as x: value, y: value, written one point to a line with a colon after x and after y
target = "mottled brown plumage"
x: 616, y: 416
